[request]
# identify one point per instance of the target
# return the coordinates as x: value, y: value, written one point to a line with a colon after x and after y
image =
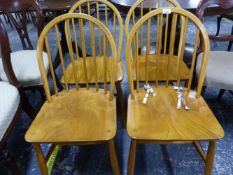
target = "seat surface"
x: 159, y: 120
x: 9, y: 102
x: 90, y: 70
x: 75, y: 116
x: 162, y: 64
x: 219, y: 70
x: 25, y: 66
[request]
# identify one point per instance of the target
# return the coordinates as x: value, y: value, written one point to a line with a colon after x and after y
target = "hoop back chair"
x: 76, y: 115
x: 159, y: 121
x: 10, y: 103
x: 95, y: 8
x: 219, y: 70
x: 28, y: 76
x: 162, y: 40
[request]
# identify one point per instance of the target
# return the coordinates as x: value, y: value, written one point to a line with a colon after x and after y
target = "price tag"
x: 167, y: 11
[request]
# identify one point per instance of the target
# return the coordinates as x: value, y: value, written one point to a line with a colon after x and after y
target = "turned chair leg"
x: 113, y: 157
x: 220, y: 94
x: 41, y: 159
x: 121, y: 103
x: 27, y: 107
x: 132, y: 156
x: 210, y: 158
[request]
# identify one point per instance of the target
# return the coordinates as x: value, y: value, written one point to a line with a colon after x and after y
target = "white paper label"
x: 167, y: 11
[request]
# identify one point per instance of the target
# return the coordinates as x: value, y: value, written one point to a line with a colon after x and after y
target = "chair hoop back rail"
x: 162, y: 68
x: 16, y: 12
x: 79, y: 18
x: 87, y: 6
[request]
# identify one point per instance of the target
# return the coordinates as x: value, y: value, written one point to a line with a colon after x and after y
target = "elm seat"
x: 90, y: 117
x: 91, y: 74
x: 219, y: 70
x: 25, y: 66
x: 9, y: 102
x: 160, y: 120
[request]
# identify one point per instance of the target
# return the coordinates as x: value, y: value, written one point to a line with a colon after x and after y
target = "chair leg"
x: 27, y: 107
x: 113, y: 157
x: 121, y: 103
x: 230, y: 42
x: 218, y: 24
x: 220, y: 94
x: 210, y: 158
x: 9, y: 162
x: 132, y: 156
x: 40, y: 159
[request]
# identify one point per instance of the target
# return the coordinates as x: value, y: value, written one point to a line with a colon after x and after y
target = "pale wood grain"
x: 159, y: 62
x: 90, y: 63
x: 75, y: 116
x: 160, y: 120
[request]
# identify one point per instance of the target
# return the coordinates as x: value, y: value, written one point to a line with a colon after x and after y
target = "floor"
x: 151, y: 159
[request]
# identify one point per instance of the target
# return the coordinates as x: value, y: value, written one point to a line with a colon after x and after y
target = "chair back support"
x: 16, y: 12
x: 224, y: 4
x: 95, y: 8
x: 6, y: 57
x: 162, y: 65
x: 50, y: 40
x: 137, y: 11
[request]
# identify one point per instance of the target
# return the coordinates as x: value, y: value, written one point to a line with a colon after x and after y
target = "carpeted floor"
x: 151, y: 159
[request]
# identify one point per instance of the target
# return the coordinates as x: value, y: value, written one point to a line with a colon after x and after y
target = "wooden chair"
x: 219, y: 70
x: 28, y: 76
x: 138, y: 10
x: 10, y: 104
x: 219, y: 19
x: 159, y: 121
x: 131, y: 16
x: 96, y: 7
x: 79, y: 115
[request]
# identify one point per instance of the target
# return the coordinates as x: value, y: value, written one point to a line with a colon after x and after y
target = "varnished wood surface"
x: 160, y: 120
x: 91, y: 71
x: 75, y: 116
x: 160, y: 64
x: 56, y: 4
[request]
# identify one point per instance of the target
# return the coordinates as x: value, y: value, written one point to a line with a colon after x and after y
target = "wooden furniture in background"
x: 159, y: 121
x: 10, y: 100
x: 79, y: 116
x: 219, y: 70
x: 110, y: 18
x: 228, y: 16
x: 28, y: 76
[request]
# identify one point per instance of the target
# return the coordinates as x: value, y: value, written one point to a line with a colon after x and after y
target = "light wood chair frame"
x: 43, y: 42
x: 209, y: 157
x: 137, y: 8
x: 116, y: 18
